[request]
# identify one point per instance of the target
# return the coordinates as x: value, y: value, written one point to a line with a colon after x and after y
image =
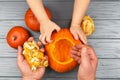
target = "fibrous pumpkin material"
x: 87, y: 25
x: 33, y: 55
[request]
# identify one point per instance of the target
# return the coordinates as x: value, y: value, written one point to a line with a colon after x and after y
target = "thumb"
x: 20, y: 57
x: 85, y: 59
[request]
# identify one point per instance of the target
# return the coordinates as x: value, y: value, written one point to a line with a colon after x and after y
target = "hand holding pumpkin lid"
x: 34, y: 57
x: 87, y: 25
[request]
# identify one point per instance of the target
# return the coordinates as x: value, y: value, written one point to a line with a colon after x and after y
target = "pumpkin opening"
x: 58, y: 51
x: 61, y: 51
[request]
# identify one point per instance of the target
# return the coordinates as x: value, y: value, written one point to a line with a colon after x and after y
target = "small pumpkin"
x: 32, y: 22
x: 58, y: 51
x: 17, y: 36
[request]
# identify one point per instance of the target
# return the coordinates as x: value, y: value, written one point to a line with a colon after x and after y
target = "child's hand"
x: 46, y: 29
x: 27, y: 73
x: 78, y: 33
x: 88, y: 61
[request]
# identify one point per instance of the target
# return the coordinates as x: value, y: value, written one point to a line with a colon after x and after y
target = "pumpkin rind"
x: 61, y: 61
x: 17, y: 36
x: 32, y: 22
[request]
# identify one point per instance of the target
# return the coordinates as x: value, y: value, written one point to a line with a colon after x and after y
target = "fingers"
x: 76, y: 58
x: 31, y: 39
x: 76, y: 54
x: 85, y: 59
x: 45, y: 57
x: 82, y: 37
x: 57, y: 29
x: 48, y: 38
x: 79, y: 46
x: 92, y: 54
x: 39, y: 43
x: 75, y: 48
x: 75, y: 35
x: 78, y: 34
x: 45, y: 38
x: 42, y: 50
x: 20, y: 57
x: 73, y: 52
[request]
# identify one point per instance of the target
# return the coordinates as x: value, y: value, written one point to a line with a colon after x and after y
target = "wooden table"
x: 105, y: 40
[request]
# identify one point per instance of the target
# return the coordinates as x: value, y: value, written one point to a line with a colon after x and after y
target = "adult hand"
x: 27, y: 73
x: 88, y: 61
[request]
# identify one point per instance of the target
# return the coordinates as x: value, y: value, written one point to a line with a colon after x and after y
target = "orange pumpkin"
x: 17, y: 36
x: 58, y: 51
x: 32, y: 22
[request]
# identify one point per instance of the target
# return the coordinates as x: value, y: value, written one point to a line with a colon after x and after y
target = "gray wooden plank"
x: 103, y: 28
x: 41, y: 79
x: 62, y: 10
x: 7, y: 25
x: 9, y: 78
x: 42, y: 0
x: 105, y: 48
x: 106, y: 29
x: 107, y: 68
x: 53, y: 0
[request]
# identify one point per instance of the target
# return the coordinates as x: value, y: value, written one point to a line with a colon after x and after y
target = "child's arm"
x: 80, y: 8
x: 46, y: 25
x: 38, y: 9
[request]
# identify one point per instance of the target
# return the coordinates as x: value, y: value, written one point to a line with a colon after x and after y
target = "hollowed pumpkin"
x: 58, y: 51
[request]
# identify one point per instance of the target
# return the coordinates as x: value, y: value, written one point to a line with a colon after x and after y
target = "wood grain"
x: 14, y: 78
x: 105, y: 40
x: 105, y: 48
x: 104, y: 29
x: 62, y: 10
x: 107, y: 68
x: 53, y: 0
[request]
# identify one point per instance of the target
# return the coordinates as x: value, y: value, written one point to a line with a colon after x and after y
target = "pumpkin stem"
x: 14, y: 38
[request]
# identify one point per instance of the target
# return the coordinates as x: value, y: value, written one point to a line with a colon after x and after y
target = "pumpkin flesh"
x: 61, y: 52
x: 58, y: 51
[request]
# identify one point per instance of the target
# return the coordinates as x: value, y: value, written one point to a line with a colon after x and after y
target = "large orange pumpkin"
x: 32, y: 22
x: 58, y: 51
x: 17, y: 36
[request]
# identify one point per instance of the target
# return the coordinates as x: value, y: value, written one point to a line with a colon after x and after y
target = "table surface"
x: 105, y: 40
